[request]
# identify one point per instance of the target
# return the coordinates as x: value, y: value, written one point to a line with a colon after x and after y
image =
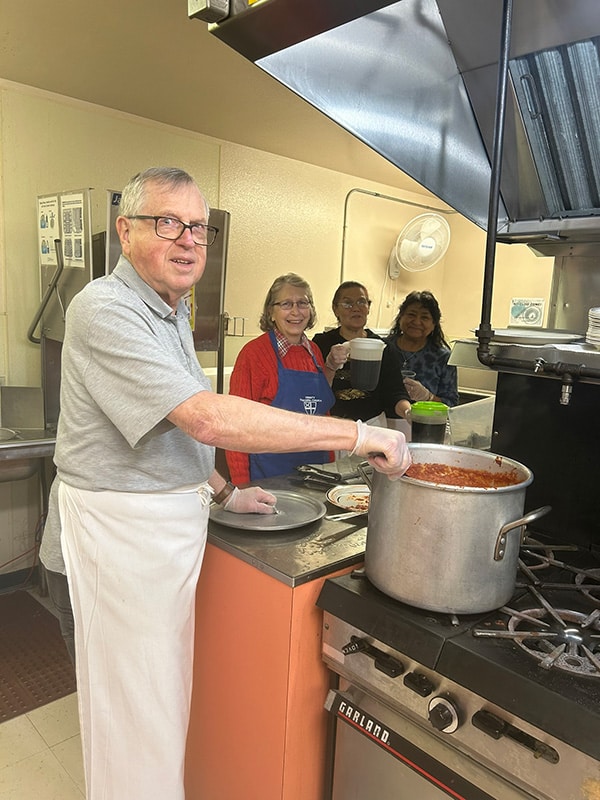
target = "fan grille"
x: 421, y: 243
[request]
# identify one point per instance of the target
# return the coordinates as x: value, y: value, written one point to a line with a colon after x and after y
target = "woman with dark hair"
x: 351, y: 305
x: 282, y: 368
x: 417, y: 337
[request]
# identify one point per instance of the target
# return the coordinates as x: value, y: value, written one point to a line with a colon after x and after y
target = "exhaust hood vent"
x: 416, y: 80
x: 558, y: 92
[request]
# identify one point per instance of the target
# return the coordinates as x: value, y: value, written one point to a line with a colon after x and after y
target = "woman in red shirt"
x: 284, y: 369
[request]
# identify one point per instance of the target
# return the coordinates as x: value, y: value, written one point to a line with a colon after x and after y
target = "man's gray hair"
x: 134, y: 194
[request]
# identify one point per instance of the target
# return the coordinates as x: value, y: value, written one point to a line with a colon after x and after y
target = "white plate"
x: 537, y: 336
x: 351, y: 498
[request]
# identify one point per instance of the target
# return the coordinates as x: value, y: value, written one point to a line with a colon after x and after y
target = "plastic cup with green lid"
x: 428, y: 422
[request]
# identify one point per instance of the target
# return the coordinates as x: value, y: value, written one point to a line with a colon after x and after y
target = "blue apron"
x: 305, y: 393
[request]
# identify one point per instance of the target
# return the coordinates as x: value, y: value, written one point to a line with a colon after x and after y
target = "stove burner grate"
x: 572, y: 648
x: 568, y: 640
x: 591, y: 592
x: 537, y: 555
x: 586, y: 581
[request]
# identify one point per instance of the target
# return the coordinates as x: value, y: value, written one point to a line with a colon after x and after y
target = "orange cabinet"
x: 258, y: 727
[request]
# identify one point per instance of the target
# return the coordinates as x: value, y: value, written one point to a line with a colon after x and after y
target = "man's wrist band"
x: 221, y: 496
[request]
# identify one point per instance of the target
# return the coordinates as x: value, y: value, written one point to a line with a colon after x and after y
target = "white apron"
x: 132, y: 562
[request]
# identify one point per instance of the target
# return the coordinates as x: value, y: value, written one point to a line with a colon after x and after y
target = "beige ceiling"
x: 148, y: 58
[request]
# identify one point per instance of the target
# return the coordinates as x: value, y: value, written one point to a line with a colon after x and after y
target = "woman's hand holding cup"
x: 416, y: 390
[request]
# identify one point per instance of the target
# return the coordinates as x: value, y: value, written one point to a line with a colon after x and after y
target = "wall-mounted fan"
x: 420, y: 244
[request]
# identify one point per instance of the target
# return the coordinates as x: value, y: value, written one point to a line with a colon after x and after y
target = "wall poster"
x: 48, y: 229
x: 526, y: 312
x: 74, y: 229
x: 63, y: 216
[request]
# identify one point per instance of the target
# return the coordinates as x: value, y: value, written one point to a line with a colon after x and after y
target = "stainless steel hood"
x: 416, y: 81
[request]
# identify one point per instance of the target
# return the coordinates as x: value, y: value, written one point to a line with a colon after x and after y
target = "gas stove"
x: 515, y: 691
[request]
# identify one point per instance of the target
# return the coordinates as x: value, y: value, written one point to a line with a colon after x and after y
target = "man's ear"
x: 123, y: 226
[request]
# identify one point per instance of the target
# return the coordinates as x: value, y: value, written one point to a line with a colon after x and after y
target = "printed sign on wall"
x: 73, y: 229
x: 48, y: 229
x: 527, y: 312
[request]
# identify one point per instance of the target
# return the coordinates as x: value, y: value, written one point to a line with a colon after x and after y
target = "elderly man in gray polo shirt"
x: 135, y: 477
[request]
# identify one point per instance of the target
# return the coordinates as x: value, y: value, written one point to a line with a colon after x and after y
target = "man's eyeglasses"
x: 362, y: 302
x: 172, y: 228
x: 287, y: 305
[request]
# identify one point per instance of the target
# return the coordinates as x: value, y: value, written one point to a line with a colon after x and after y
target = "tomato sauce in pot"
x: 463, y: 476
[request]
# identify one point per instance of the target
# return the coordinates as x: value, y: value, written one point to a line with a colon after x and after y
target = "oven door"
x: 380, y: 753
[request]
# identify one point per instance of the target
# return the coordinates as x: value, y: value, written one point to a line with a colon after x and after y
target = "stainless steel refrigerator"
x: 61, y: 280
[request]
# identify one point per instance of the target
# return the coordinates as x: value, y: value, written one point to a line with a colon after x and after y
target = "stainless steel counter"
x: 22, y: 456
x: 297, y: 555
x: 29, y: 443
x: 292, y: 556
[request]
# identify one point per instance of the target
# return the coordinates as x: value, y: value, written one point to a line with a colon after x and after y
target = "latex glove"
x: 337, y: 356
x: 385, y: 450
x: 416, y: 391
x: 252, y: 500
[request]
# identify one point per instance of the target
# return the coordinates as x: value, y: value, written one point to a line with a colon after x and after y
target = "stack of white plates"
x: 593, y: 332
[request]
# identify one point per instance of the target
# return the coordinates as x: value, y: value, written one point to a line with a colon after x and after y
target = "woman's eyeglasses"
x: 287, y: 305
x: 362, y: 302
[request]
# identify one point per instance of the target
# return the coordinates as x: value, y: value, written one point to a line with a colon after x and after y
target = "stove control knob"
x: 443, y: 714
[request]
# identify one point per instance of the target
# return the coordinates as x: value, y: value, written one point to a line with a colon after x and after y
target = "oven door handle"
x: 497, y: 728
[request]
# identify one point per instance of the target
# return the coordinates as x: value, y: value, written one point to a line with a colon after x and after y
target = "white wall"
x: 53, y: 144
x: 290, y: 216
x: 285, y: 216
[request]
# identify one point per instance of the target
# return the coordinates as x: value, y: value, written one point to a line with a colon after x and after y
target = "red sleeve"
x: 254, y: 376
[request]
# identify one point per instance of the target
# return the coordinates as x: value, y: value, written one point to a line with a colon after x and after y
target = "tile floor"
x: 40, y: 754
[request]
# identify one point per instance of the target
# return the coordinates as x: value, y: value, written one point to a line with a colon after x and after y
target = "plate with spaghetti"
x: 354, y: 497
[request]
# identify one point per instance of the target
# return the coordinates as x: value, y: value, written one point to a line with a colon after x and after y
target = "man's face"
x: 170, y: 267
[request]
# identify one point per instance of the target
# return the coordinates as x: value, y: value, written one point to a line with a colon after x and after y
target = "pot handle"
x: 500, y: 548
x: 366, y: 476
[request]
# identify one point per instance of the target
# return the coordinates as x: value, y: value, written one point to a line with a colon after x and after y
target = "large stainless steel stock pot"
x: 451, y: 549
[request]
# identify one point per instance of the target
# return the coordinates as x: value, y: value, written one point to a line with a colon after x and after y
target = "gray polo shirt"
x: 127, y: 362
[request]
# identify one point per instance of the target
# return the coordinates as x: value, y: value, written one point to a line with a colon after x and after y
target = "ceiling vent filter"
x: 421, y: 243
